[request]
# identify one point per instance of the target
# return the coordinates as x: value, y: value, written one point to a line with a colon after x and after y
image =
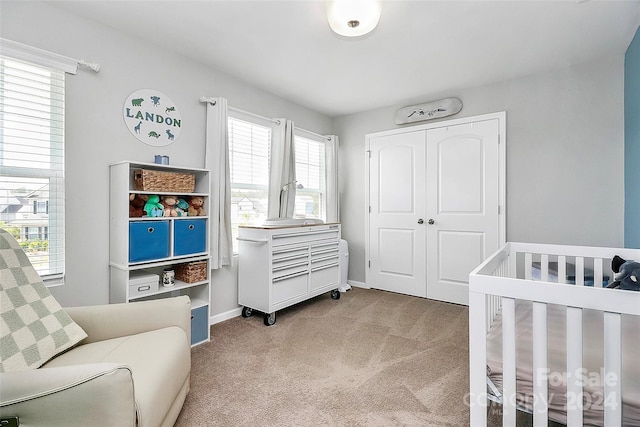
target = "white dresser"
x: 284, y: 265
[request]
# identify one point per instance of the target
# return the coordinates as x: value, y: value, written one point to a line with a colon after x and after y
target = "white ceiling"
x: 419, y: 47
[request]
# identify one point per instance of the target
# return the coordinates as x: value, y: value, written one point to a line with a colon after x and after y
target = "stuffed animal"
x: 169, y: 203
x: 182, y: 207
x: 136, y: 206
x: 627, y: 274
x: 153, y: 208
x: 195, y: 206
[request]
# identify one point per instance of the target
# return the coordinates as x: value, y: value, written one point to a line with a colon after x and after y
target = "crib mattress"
x: 593, y: 362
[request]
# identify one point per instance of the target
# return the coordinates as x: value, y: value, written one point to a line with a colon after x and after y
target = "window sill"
x: 54, y: 282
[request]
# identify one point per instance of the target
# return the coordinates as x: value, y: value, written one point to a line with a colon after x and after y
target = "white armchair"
x: 132, y: 369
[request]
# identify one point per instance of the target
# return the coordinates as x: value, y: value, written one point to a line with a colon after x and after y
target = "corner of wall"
x: 632, y: 143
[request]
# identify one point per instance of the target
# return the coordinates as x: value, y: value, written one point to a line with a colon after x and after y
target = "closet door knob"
x: 420, y: 221
x: 431, y: 221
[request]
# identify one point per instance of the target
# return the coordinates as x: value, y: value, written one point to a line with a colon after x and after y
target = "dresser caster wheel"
x: 247, y: 312
x: 269, y: 319
x: 335, y: 294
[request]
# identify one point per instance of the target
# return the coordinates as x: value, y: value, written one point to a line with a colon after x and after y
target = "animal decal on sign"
x: 152, y: 117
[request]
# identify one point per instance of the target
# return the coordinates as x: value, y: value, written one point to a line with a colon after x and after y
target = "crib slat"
x: 544, y: 267
x: 562, y: 269
x: 528, y: 265
x: 574, y: 366
x: 579, y: 271
x: 508, y: 362
x: 597, y: 272
x: 612, y: 370
x: 540, y: 373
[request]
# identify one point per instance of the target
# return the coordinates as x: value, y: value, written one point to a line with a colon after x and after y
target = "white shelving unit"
x: 129, y: 235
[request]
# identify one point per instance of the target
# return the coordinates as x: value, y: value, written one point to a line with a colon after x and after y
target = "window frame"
x: 253, y: 120
x: 322, y: 191
x: 54, y: 230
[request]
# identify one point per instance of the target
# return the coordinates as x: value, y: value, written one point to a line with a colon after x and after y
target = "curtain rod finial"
x: 91, y: 65
x: 211, y: 101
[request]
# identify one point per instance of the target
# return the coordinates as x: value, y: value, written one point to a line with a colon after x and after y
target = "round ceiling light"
x: 353, y: 18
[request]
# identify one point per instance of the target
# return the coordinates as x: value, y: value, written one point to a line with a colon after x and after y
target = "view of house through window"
x: 32, y: 162
x: 311, y: 178
x: 249, y: 148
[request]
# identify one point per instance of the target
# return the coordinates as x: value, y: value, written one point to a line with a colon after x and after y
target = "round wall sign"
x: 152, y: 117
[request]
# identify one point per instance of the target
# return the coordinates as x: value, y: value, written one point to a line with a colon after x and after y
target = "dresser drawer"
x: 199, y: 324
x: 289, y: 287
x: 189, y: 236
x: 148, y: 240
x: 306, y: 237
x: 328, y: 275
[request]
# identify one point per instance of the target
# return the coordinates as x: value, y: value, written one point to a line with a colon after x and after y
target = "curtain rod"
x: 328, y: 138
x: 237, y: 110
x: 43, y: 57
x: 212, y: 101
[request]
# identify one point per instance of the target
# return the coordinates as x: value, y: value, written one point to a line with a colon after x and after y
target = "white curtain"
x: 331, y: 162
x: 217, y: 161
x: 282, y: 182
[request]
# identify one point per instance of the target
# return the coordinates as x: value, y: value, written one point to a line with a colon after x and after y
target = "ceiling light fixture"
x: 353, y: 18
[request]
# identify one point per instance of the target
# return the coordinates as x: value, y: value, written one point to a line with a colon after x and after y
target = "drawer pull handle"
x: 191, y: 226
x: 289, y: 258
x: 290, y: 276
x: 249, y: 239
x: 324, y: 267
x: 283, y: 236
x: 150, y: 229
x: 326, y: 258
x: 288, y: 266
x: 285, y: 250
x: 192, y: 317
x: 143, y: 288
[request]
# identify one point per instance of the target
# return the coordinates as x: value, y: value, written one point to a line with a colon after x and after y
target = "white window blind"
x: 32, y: 162
x: 249, y: 148
x: 311, y: 178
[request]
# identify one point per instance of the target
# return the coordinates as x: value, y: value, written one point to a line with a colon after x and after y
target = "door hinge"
x: 498, y: 209
x: 369, y: 264
x: 369, y: 153
x: 369, y: 209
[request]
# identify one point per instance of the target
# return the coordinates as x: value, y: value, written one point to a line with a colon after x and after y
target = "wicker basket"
x: 151, y: 180
x: 192, y: 271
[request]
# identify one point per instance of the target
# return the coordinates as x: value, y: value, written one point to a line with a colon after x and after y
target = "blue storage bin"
x: 199, y: 324
x: 189, y: 236
x: 148, y: 240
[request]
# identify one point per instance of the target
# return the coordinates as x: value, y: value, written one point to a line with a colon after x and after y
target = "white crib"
x: 548, y: 278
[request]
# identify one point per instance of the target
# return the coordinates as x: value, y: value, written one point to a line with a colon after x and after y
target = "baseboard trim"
x: 356, y: 284
x: 225, y: 316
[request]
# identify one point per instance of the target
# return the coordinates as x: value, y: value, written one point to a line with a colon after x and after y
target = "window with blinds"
x: 32, y: 162
x: 249, y: 148
x: 311, y: 178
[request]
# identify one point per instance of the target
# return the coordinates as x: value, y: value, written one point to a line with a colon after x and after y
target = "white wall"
x: 96, y: 135
x: 564, y: 131
x: 565, y: 137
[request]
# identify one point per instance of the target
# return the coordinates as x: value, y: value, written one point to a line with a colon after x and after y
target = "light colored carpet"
x: 371, y: 358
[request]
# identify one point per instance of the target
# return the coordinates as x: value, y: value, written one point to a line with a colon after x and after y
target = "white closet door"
x: 462, y: 222
x: 397, y: 203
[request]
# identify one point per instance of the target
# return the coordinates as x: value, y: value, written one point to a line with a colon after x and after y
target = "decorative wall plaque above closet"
x: 428, y: 111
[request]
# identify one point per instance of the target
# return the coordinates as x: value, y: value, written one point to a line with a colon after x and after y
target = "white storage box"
x: 142, y: 283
